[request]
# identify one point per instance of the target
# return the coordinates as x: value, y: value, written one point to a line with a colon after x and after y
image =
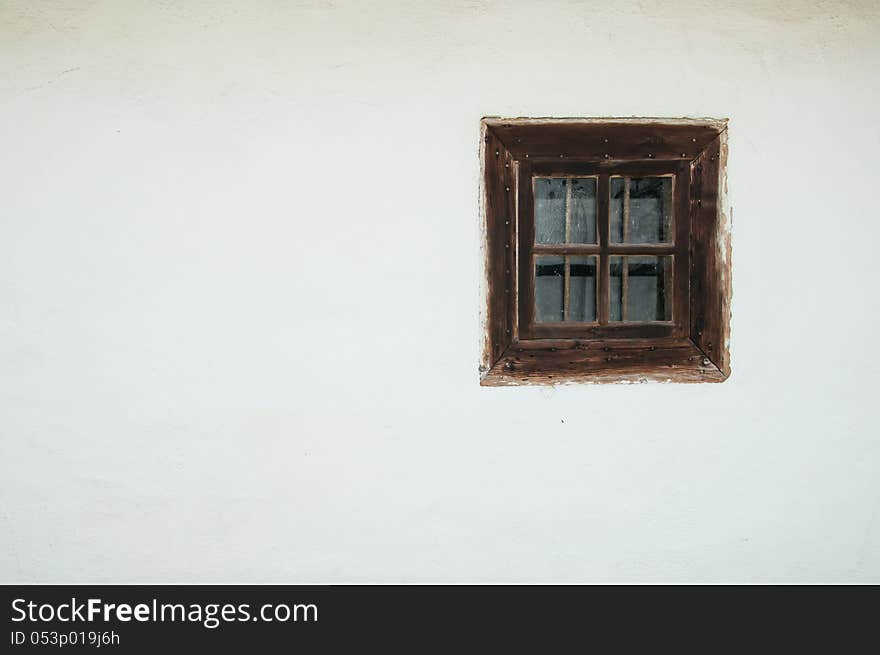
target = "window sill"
x: 545, y: 361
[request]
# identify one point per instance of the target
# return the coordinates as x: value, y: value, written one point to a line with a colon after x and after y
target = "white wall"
x: 239, y: 268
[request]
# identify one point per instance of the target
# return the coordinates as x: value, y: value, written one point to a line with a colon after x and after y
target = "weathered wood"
x: 611, y: 139
x: 565, y: 249
x: 629, y: 360
x: 499, y: 229
x: 572, y: 168
x: 525, y: 295
x: 693, y: 346
x: 681, y: 189
x: 679, y: 325
x: 710, y: 245
x: 615, y: 330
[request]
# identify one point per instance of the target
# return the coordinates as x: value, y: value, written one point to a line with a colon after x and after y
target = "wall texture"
x: 239, y: 297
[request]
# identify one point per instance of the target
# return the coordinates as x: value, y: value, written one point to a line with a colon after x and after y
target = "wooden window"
x: 607, y: 251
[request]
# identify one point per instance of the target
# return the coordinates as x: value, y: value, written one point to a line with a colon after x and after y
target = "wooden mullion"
x: 642, y: 249
x: 566, y: 249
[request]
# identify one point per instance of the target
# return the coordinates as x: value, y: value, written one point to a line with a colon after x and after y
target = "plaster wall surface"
x: 239, y: 298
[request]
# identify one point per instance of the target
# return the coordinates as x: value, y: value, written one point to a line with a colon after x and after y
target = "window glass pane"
x: 583, y: 210
x: 553, y: 275
x: 641, y: 288
x: 641, y: 209
x: 549, y: 289
x: 617, y: 209
x: 565, y: 210
x: 582, y: 289
x: 549, y: 210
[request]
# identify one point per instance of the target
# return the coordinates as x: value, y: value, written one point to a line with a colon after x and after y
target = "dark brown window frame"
x: 694, y: 345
